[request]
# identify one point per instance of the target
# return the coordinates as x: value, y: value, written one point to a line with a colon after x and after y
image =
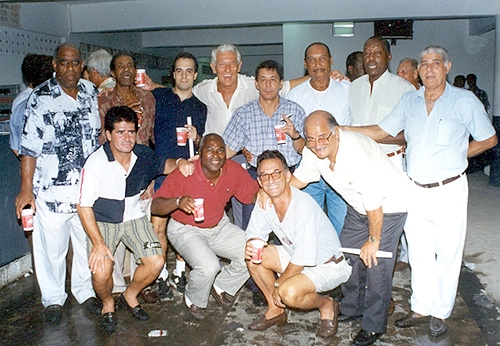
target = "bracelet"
x: 294, y: 139
x: 276, y: 284
x: 178, y: 200
x: 177, y: 161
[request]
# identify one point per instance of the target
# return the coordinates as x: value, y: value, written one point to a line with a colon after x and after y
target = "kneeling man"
x: 111, y: 183
x: 309, y: 259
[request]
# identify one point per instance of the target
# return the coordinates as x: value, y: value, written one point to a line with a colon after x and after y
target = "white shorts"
x: 325, y: 277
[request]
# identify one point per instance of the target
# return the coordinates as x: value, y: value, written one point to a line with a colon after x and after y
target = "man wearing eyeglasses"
x: 359, y: 170
x: 308, y: 260
x: 61, y: 130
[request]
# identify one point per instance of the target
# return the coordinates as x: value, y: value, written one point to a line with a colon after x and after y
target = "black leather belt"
x: 336, y: 260
x: 438, y: 183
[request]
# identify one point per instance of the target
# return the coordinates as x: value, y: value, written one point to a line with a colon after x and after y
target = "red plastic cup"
x: 280, y: 134
x: 199, y: 211
x: 182, y: 135
x: 258, y: 245
x: 140, y: 77
x: 27, y: 219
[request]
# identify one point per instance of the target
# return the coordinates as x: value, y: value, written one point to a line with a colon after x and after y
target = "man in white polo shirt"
x: 109, y: 207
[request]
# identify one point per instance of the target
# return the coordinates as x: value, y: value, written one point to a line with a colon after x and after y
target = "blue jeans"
x: 335, y: 205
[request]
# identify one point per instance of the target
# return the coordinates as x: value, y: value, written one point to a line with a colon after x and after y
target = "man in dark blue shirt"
x: 173, y: 107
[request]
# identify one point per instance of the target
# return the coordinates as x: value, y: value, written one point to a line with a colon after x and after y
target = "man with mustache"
x: 322, y: 92
x: 201, y: 243
x: 125, y: 93
x: 61, y: 130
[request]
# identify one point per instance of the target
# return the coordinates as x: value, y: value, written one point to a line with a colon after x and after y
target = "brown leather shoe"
x: 411, y: 320
x: 196, y: 312
x: 392, y: 306
x: 328, y: 328
x: 223, y: 298
x: 262, y: 323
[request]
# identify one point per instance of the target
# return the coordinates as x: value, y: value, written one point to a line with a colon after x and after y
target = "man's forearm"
x: 291, y: 270
x: 28, y: 165
x: 375, y: 223
x: 163, y: 206
x: 476, y: 148
x: 375, y: 132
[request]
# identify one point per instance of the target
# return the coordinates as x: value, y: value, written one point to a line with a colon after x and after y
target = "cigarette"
x: 286, y: 116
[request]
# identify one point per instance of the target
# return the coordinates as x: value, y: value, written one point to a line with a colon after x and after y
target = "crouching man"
x: 308, y: 261
x: 202, y: 240
x: 112, y: 181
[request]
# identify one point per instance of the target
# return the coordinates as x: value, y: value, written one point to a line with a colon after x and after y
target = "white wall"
x: 469, y: 54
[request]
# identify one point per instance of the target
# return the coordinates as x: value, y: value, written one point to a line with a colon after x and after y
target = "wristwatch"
x: 372, y: 239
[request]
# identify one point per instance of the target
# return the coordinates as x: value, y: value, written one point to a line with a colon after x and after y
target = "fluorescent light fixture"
x: 343, y: 29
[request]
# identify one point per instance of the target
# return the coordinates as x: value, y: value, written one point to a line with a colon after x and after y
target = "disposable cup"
x: 199, y: 211
x: 258, y: 245
x: 182, y: 135
x: 27, y: 219
x: 280, y: 134
x: 140, y: 77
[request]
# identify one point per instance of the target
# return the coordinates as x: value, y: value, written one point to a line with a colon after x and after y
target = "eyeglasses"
x: 320, y: 140
x: 266, y: 176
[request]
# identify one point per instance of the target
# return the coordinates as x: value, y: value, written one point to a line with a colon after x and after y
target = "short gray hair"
x: 435, y: 49
x: 223, y: 48
x: 99, y: 61
x: 413, y: 63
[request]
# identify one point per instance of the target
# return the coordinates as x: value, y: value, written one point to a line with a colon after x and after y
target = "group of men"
x: 368, y: 197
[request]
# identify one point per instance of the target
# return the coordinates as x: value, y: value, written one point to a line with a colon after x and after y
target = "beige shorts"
x: 137, y: 235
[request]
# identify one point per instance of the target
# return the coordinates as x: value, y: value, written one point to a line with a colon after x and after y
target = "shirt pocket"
x: 447, y: 132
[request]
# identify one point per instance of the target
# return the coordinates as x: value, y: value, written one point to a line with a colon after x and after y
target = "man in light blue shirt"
x: 437, y: 120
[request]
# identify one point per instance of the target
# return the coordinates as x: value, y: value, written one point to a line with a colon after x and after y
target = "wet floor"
x: 22, y: 323
x: 475, y: 321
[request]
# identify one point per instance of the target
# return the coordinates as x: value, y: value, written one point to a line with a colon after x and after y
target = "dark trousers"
x: 368, y: 290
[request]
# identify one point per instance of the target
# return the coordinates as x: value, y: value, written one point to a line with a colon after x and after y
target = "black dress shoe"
x: 223, y: 298
x: 136, y: 311
x: 108, y: 321
x: 93, y: 305
x: 349, y: 318
x: 364, y: 338
x: 262, y: 323
x: 53, y: 313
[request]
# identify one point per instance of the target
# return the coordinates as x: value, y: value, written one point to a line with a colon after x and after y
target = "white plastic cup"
x: 182, y: 135
x: 280, y: 134
x: 157, y: 333
x: 199, y: 211
x: 140, y: 77
x: 258, y: 245
x: 27, y: 219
